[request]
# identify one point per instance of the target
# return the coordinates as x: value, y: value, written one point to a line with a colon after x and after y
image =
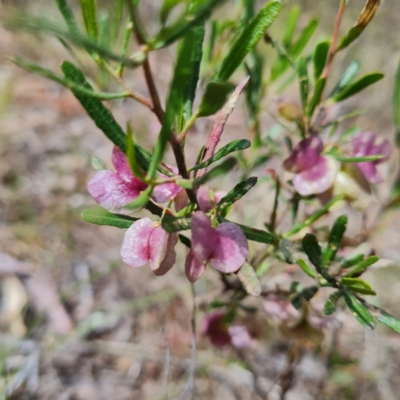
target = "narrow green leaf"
x: 255, y: 235
x: 285, y: 246
x: 319, y: 58
x: 388, y: 320
x: 141, y: 200
x: 359, y: 159
x: 306, y: 269
x: 335, y: 238
x: 314, y: 217
x: 173, y: 224
x: 214, y: 97
x: 236, y: 194
x: 187, y: 210
x: 358, y: 86
x: 347, y: 77
x: 249, y: 279
x: 67, y: 83
x: 305, y: 295
x: 166, y: 8
x: 291, y: 24
x: 235, y: 145
x: 191, y: 48
x: 316, y: 98
x: 313, y: 250
x: 330, y: 304
x: 221, y: 169
x: 89, y: 13
x: 359, y: 311
x: 99, y: 216
x: 170, y: 34
x: 364, y: 19
x: 304, y: 82
x: 349, y: 262
x: 131, y: 154
x: 103, y: 118
x: 250, y: 36
x: 361, y: 266
x: 358, y: 286
x: 98, y: 164
x: 68, y: 15
x: 294, y: 51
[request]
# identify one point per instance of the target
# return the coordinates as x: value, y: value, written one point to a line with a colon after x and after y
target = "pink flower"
x: 314, y: 173
x: 147, y: 242
x: 217, y: 328
x: 368, y: 144
x: 224, y: 247
x: 114, y: 190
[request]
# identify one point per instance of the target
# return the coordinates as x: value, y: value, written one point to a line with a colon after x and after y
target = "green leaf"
x: 359, y: 159
x: 347, y: 77
x: 313, y: 250
x: 256, y: 235
x: 185, y: 240
x: 166, y: 8
x: 99, y: 216
x: 190, y: 49
x: 250, y: 36
x: 358, y: 286
x: 358, y: 86
x: 68, y: 15
x: 387, y: 319
x: 98, y: 164
x: 131, y: 154
x: 67, y: 83
x: 187, y: 210
x: 359, y: 311
x: 294, y: 51
x: 102, y: 117
x: 89, y: 13
x: 335, y: 238
x: 285, y: 246
x: 396, y: 104
x: 236, y: 194
x: 314, y: 217
x: 215, y: 96
x: 349, y: 262
x: 316, y: 99
x: 249, y: 279
x: 304, y: 82
x: 306, y: 269
x: 141, y: 200
x: 319, y: 58
x: 235, y: 145
x: 221, y: 169
x: 291, y: 24
x: 173, y: 224
x: 364, y: 18
x: 305, y: 295
x: 361, y: 266
x: 178, y: 29
x: 330, y: 304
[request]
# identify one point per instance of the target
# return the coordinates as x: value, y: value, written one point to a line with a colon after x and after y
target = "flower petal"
x: 369, y: 144
x: 215, y: 327
x: 317, y: 179
x: 231, y: 250
x: 112, y: 192
x: 135, y: 249
x: 120, y: 163
x: 181, y: 200
x: 370, y: 172
x: 193, y: 268
x: 165, y: 192
x: 162, y: 252
x: 305, y: 155
x: 204, y: 237
x: 240, y: 337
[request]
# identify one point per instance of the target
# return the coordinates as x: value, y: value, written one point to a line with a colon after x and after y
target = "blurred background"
x: 75, y: 323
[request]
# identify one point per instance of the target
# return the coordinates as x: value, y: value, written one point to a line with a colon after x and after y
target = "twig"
x: 167, y: 365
